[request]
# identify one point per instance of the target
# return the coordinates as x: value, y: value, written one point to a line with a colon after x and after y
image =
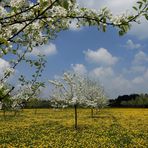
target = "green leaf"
x: 4, y: 51
x: 4, y: 41
x: 135, y: 8
x: 140, y: 4
x: 146, y: 16
x: 63, y: 3
x: 36, y: 63
x: 104, y: 28
x: 121, y: 32
x: 14, y: 51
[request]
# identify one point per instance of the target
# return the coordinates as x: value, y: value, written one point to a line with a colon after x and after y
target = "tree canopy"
x: 29, y: 24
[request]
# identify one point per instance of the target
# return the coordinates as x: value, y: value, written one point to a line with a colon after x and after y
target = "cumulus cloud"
x: 49, y: 49
x: 140, y: 58
x: 117, y: 6
x: 102, y: 72
x: 138, y: 68
x: 146, y: 74
x: 116, y: 83
x: 79, y: 68
x: 140, y: 30
x: 3, y: 66
x: 100, y: 56
x: 131, y: 45
x: 138, y: 80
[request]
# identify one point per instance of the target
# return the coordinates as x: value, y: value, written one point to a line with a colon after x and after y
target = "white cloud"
x: 117, y: 6
x: 138, y: 80
x: 121, y: 84
x: 138, y: 68
x: 140, y: 30
x: 3, y: 66
x: 100, y: 56
x: 131, y: 45
x: 116, y: 83
x: 102, y: 72
x: 146, y: 75
x: 47, y: 50
x: 137, y: 84
x: 140, y: 58
x: 79, y: 68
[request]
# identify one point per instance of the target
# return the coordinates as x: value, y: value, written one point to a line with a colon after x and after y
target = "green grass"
x: 117, y: 128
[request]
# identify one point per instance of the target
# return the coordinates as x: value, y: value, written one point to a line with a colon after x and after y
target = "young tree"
x: 70, y: 88
x: 94, y: 94
x: 28, y: 88
x: 57, y: 98
x: 75, y: 90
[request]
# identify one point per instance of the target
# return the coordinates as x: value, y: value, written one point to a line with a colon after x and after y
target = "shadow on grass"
x: 98, y: 117
x: 11, y: 116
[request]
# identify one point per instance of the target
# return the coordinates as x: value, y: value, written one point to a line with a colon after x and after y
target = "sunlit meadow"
x: 114, y: 128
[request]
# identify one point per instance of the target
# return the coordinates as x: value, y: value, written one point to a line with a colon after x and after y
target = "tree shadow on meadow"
x: 11, y: 116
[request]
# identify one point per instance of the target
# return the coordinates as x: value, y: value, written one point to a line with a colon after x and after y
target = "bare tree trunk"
x: 76, y: 122
x: 92, y: 112
x: 4, y: 114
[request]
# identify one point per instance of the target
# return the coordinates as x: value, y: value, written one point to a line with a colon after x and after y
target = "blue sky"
x: 120, y: 63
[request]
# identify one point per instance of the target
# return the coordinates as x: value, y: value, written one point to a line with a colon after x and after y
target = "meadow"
x: 49, y: 128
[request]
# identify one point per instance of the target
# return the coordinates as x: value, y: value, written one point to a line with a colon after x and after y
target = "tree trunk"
x: 92, y: 112
x: 76, y: 123
x: 4, y: 114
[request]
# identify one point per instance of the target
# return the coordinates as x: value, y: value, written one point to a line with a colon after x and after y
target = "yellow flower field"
x: 49, y: 128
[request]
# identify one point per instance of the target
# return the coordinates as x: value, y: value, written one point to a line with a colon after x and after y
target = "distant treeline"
x: 36, y: 103
x: 133, y: 100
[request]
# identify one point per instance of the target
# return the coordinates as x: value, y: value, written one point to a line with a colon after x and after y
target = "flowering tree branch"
x: 35, y: 23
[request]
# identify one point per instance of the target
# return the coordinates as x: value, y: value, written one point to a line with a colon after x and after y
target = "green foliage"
x: 33, y: 103
x: 5, y: 98
x: 141, y: 101
x: 141, y: 8
x: 32, y: 87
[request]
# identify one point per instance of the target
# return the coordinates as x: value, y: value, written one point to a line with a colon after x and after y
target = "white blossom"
x: 76, y: 89
x: 18, y: 3
x: 3, y: 12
